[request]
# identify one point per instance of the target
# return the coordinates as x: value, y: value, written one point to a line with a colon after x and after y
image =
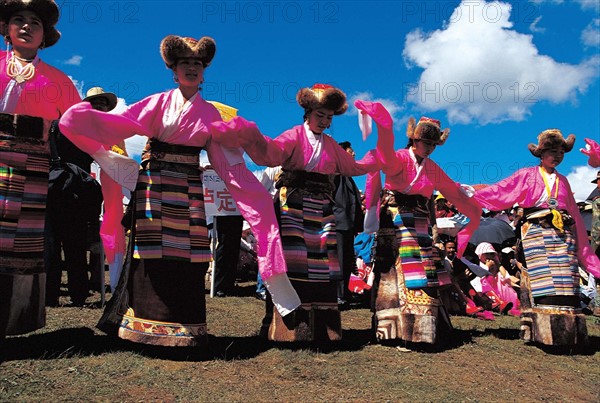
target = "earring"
x: 175, y: 78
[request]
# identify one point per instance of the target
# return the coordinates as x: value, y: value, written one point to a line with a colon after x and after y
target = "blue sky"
x: 495, y: 73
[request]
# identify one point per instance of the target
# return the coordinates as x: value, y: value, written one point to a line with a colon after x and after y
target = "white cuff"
x: 371, y: 222
x: 120, y: 168
x: 282, y: 293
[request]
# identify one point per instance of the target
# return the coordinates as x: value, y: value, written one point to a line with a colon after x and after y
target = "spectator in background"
x: 349, y: 219
x: 27, y: 27
x: 227, y: 253
x: 248, y: 263
x: 69, y: 231
x: 489, y: 262
x: 453, y: 296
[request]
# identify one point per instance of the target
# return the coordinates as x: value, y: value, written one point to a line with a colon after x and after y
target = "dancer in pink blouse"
x: 304, y: 202
x: 32, y: 94
x: 408, y: 269
x: 555, y: 243
x: 160, y: 297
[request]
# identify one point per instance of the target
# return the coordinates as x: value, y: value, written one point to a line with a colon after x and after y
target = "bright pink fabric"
x: 525, y: 187
x: 502, y: 287
x: 89, y: 129
x: 47, y: 95
x: 400, y: 172
x: 111, y: 230
x: 593, y: 153
x: 291, y: 149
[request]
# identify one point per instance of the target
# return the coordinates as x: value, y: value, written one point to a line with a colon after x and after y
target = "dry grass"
x: 69, y: 360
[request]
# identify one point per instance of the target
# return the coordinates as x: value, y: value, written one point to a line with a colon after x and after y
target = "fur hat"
x: 46, y: 10
x: 98, y: 92
x: 549, y: 139
x: 322, y: 96
x: 173, y: 48
x: 427, y: 129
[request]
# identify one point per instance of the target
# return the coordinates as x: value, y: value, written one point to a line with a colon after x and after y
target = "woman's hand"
x: 377, y: 111
x: 592, y: 150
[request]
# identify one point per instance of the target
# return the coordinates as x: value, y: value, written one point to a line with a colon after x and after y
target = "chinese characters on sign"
x: 217, y: 199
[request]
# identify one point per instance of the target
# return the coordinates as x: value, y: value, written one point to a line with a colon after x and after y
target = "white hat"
x: 245, y: 226
x: 484, y: 247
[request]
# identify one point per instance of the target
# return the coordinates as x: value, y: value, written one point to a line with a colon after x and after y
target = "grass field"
x: 70, y: 360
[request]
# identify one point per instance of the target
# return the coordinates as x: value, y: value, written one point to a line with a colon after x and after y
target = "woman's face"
x: 319, y: 120
x: 189, y: 72
x: 26, y: 31
x: 552, y: 158
x: 423, y: 148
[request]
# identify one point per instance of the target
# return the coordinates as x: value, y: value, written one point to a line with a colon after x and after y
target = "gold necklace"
x: 12, y: 70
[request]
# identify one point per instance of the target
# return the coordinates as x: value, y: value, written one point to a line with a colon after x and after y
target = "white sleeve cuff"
x: 120, y: 168
x: 371, y: 222
x: 282, y: 293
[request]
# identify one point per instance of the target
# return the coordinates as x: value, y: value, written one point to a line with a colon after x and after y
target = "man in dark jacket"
x: 348, y: 222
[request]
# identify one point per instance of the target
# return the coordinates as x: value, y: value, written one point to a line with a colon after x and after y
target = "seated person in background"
x: 492, y: 285
x: 510, y: 266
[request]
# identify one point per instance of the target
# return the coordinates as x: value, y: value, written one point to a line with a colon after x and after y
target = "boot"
x: 498, y: 303
x: 470, y: 307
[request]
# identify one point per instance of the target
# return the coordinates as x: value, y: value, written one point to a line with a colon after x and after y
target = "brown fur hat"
x: 173, y: 48
x: 46, y: 10
x: 549, y: 139
x: 322, y: 96
x: 427, y: 129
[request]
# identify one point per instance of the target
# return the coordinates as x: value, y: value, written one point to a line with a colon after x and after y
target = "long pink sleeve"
x: 256, y: 206
x: 465, y: 204
x: 525, y: 187
x: 385, y: 132
x: 252, y: 199
x: 291, y: 149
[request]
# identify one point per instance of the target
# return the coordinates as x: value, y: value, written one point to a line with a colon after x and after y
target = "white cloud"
x: 497, y: 77
x: 580, y: 179
x: 74, y: 60
x: 584, y: 4
x: 389, y: 104
x: 546, y: 1
x: 534, y: 28
x: 121, y: 106
x: 589, y: 4
x: 591, y: 34
x: 78, y: 85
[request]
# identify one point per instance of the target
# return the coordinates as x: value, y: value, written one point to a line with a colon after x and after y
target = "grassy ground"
x: 70, y: 360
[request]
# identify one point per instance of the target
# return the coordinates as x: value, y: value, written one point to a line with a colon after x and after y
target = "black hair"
x: 345, y: 145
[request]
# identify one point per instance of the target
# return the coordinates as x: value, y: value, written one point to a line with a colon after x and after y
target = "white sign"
x: 217, y: 199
